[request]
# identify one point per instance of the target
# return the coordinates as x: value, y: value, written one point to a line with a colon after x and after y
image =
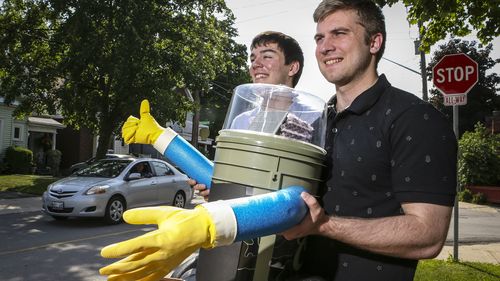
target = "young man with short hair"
x: 391, y: 160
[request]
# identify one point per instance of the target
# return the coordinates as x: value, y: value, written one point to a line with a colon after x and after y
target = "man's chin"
x: 263, y: 81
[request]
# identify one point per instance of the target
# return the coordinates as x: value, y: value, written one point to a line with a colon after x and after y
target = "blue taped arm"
x: 190, y: 160
x: 269, y: 213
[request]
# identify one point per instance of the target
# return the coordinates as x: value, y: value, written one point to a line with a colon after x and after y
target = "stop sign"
x: 455, y: 74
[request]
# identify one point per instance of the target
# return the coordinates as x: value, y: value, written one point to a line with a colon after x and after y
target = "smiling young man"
x: 275, y: 58
x: 391, y: 160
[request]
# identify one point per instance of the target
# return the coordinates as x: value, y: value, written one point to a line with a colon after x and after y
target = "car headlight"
x: 49, y: 187
x: 98, y: 189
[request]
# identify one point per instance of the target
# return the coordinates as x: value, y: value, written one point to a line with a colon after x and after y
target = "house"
x: 493, y: 122
x: 37, y: 133
x: 204, y: 142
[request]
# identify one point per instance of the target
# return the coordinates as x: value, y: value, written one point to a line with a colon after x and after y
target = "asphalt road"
x: 477, y: 225
x: 33, y: 247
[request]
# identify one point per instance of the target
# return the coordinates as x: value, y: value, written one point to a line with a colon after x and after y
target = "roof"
x: 48, y: 122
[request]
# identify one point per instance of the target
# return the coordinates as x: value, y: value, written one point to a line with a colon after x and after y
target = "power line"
x: 396, y: 63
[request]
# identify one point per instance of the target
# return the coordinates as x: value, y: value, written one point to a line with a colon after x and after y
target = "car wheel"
x: 187, y: 269
x: 179, y: 199
x: 59, y: 218
x: 114, y: 210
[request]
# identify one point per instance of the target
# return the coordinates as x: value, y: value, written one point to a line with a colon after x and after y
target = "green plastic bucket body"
x: 266, y: 161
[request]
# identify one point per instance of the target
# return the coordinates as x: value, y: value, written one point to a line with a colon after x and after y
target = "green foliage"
x: 54, y: 161
x: 430, y: 270
x: 483, y: 99
x: 19, y: 160
x: 465, y: 195
x: 455, y: 18
x: 479, y: 198
x: 215, y: 103
x: 479, y: 160
x: 95, y: 61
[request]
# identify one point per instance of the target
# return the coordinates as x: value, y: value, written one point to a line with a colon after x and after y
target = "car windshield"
x: 104, y: 168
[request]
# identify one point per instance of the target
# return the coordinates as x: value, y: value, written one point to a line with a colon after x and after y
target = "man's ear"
x: 376, y: 43
x: 294, y: 68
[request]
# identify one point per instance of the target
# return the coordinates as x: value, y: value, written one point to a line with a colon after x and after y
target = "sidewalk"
x: 477, y: 251
x: 11, y: 203
x: 14, y: 202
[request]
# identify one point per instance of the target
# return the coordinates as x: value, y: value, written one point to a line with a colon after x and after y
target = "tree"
x: 440, y: 18
x: 215, y: 102
x: 479, y: 161
x: 94, y: 61
x: 482, y: 99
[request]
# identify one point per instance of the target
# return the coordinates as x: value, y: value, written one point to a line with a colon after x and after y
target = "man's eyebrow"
x: 268, y: 51
x: 333, y: 30
x: 339, y: 29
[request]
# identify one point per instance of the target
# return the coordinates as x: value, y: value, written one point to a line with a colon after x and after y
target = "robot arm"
x: 181, y: 232
x: 174, y: 147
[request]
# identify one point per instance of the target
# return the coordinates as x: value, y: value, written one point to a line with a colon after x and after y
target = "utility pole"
x: 423, y: 64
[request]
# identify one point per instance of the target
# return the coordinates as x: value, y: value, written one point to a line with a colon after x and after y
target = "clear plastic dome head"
x: 277, y: 110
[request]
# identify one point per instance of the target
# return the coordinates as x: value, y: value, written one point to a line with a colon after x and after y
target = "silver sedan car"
x: 110, y: 186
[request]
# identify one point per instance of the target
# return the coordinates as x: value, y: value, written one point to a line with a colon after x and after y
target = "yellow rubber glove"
x: 145, y: 130
x: 154, y: 254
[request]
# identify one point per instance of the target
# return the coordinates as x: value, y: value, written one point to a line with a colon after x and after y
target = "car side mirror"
x: 134, y: 176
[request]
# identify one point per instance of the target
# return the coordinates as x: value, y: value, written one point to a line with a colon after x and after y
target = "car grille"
x: 64, y: 194
x: 65, y: 210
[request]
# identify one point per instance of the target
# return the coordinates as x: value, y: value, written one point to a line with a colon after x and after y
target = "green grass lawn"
x: 31, y: 184
x: 440, y: 270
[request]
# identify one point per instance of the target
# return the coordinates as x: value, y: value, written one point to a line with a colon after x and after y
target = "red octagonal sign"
x: 455, y: 74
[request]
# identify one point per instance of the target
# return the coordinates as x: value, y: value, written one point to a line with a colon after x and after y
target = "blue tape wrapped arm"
x: 190, y: 160
x: 270, y: 213
x: 182, y: 154
x: 256, y: 216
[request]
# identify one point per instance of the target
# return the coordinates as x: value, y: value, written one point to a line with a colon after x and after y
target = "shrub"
x: 479, y: 198
x: 19, y: 160
x: 54, y: 161
x: 465, y: 195
x: 479, y: 160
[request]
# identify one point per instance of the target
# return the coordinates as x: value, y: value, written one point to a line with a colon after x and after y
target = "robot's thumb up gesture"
x: 144, y: 130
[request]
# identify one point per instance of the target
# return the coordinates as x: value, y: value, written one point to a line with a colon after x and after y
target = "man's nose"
x: 326, y: 45
x: 256, y: 63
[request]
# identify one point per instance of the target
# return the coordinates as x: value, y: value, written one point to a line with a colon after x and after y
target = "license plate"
x: 58, y: 205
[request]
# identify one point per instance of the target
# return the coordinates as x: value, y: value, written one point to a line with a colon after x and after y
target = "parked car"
x: 81, y: 165
x: 108, y: 187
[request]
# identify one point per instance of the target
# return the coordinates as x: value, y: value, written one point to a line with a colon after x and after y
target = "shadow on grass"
x: 480, y: 269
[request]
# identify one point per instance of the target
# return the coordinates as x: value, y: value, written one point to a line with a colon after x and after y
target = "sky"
x: 294, y: 18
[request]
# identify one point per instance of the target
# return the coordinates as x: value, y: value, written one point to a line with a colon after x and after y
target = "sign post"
x: 454, y: 76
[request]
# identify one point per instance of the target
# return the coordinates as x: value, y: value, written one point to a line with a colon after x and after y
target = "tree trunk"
x: 105, y: 139
x: 196, y: 119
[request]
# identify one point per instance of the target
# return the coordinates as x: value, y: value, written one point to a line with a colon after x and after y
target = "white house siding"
x: 23, y: 140
x: 5, y: 128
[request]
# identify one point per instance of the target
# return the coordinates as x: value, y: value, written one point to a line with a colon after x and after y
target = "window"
x: 142, y: 168
x: 17, y: 135
x: 162, y: 169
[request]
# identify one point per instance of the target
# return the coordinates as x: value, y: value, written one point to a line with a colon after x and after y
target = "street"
x: 36, y: 247
x: 476, y: 225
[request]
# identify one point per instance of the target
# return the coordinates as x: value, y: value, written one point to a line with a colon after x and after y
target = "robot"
x: 268, y: 152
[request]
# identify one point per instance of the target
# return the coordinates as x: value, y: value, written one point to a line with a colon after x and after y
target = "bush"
x: 54, y: 161
x: 19, y: 160
x: 479, y: 198
x: 479, y: 160
x: 465, y: 195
